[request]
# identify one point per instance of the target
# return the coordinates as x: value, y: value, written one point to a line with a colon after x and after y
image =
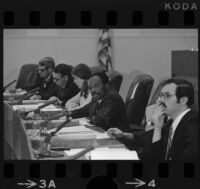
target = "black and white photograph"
x: 100, y: 94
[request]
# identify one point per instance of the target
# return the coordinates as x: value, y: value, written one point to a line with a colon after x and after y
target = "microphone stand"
x: 37, y: 111
x: 24, y: 96
x: 4, y: 88
x: 43, y: 151
x: 29, y: 94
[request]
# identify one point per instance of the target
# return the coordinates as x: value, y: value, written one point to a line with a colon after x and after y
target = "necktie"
x: 98, y: 106
x: 62, y: 94
x: 169, y: 143
x: 45, y: 84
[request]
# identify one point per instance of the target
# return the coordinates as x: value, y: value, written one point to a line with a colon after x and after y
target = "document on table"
x: 51, y: 107
x: 26, y: 107
x: 14, y: 94
x: 83, y: 121
x: 74, y: 129
x: 33, y: 101
x: 82, y: 130
x: 107, y: 153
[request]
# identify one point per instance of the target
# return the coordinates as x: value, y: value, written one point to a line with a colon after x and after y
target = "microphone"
x: 4, y: 88
x: 31, y: 92
x: 44, y: 148
x: 44, y: 105
x: 59, y: 128
x: 30, y: 95
x: 44, y: 152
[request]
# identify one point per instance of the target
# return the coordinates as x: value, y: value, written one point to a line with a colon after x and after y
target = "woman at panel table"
x: 81, y: 74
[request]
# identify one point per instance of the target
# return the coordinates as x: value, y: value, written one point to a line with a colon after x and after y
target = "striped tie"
x: 169, y: 143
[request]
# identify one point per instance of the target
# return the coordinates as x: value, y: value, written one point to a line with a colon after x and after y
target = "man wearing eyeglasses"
x: 65, y: 86
x: 46, y: 87
x: 178, y: 138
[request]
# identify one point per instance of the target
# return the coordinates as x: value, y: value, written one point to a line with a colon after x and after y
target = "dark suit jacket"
x: 47, y: 88
x: 110, y: 112
x: 184, y: 144
x: 64, y: 94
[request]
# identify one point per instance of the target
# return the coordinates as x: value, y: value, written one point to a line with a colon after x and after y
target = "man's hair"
x: 102, y: 76
x: 63, y: 69
x: 48, y: 62
x: 184, y: 89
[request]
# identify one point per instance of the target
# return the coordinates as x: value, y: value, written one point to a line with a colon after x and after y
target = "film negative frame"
x: 104, y: 14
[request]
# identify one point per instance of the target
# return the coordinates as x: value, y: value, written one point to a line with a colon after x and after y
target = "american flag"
x: 104, y: 49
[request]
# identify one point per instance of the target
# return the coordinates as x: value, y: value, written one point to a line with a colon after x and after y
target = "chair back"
x: 115, y: 79
x: 28, y: 78
x: 137, y: 98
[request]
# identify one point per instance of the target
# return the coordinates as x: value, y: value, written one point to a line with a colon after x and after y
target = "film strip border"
x: 95, y: 18
x: 77, y: 174
x: 83, y: 173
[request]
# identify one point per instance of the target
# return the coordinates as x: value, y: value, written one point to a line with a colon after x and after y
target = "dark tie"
x: 62, y: 94
x: 45, y: 84
x: 98, y: 106
x: 169, y: 143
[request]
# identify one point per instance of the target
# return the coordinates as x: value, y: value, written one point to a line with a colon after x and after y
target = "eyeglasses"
x: 57, y: 79
x: 166, y: 95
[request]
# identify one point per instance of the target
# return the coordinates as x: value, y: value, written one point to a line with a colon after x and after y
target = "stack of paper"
x: 106, y: 153
x: 75, y: 130
x: 33, y: 101
x: 14, y: 94
x: 51, y: 107
x: 74, y: 137
x: 26, y: 107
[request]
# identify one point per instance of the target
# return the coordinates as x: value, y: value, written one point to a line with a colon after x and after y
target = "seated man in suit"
x: 46, y: 85
x: 65, y: 86
x: 178, y: 138
x: 107, y: 108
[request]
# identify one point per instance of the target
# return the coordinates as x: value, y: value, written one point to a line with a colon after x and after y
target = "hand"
x: 115, y: 133
x: 149, y: 112
x: 35, y: 97
x: 70, y: 105
x: 55, y: 98
x: 84, y: 121
x: 30, y: 115
x: 158, y: 117
x: 51, y: 131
